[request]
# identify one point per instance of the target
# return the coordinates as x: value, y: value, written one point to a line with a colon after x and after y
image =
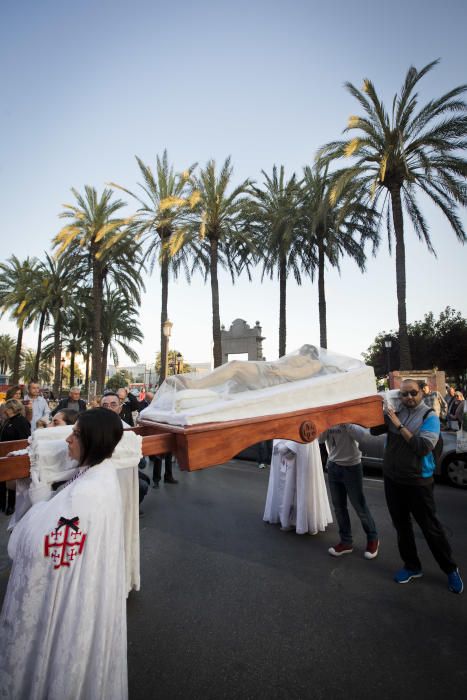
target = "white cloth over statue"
x: 50, y: 463
x: 63, y: 622
x: 297, y: 496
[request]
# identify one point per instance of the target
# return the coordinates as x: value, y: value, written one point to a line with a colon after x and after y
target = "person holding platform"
x: 63, y: 622
x: 408, y: 467
x: 345, y: 478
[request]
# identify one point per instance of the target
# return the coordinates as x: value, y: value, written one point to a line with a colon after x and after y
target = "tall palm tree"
x: 414, y: 149
x: 119, y: 328
x: 166, y: 197
x: 29, y: 371
x: 218, y: 233
x: 275, y: 220
x: 7, y: 352
x: 16, y: 281
x: 333, y: 226
x: 53, y: 295
x: 101, y: 239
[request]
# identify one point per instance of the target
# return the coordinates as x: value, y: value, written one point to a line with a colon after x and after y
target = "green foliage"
x: 177, y: 364
x: 7, y: 352
x: 28, y: 370
x: 120, y: 379
x: 434, y: 342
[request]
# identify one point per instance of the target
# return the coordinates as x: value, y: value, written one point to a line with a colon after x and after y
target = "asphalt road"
x: 231, y: 607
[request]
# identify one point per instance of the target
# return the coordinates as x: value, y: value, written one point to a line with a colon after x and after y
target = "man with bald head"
x: 408, y: 468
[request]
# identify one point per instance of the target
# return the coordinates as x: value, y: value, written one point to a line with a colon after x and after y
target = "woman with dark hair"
x: 63, y: 622
x: 15, y: 392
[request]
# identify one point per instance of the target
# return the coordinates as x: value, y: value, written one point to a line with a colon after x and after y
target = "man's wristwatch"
x: 399, y: 427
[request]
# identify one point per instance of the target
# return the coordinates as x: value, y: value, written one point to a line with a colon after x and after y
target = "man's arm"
x: 423, y: 443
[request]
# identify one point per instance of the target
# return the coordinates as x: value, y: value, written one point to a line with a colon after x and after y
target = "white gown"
x: 297, y: 496
x: 63, y: 622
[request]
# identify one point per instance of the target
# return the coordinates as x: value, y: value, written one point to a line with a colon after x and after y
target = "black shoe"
x: 10, y: 510
x: 155, y: 485
x: 170, y: 480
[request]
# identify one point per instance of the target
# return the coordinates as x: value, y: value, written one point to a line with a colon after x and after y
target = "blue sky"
x: 86, y: 86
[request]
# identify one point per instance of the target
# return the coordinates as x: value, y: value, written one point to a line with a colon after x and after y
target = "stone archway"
x: 241, y: 338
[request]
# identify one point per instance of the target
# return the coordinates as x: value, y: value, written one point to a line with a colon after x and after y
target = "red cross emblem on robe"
x: 65, y: 542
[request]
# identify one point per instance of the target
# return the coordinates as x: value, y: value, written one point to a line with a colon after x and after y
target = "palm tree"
x: 275, y: 221
x: 29, y: 371
x: 414, y: 149
x: 7, y: 352
x: 119, y: 328
x: 331, y: 226
x: 104, y: 243
x: 16, y: 281
x: 53, y: 295
x: 166, y: 198
x: 218, y: 234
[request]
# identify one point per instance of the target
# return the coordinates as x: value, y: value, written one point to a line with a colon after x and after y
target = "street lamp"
x: 388, y: 346
x: 167, y: 332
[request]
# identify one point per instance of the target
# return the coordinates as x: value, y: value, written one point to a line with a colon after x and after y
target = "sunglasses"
x: 412, y: 392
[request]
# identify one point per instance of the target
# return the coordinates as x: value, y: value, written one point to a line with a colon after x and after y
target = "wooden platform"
x: 208, y: 444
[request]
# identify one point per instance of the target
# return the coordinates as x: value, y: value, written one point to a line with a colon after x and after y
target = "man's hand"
x: 391, y: 414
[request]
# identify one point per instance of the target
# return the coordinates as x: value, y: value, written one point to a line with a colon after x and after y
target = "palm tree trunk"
x: 19, y: 342
x: 96, y: 325
x: 105, y: 352
x: 164, y: 311
x: 282, y: 304
x: 404, y: 347
x: 35, y: 372
x: 323, y: 331
x: 57, y: 360
x: 86, y: 375
x: 216, y: 321
x: 72, y: 367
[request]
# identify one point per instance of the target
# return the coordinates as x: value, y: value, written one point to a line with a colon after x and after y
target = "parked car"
x: 452, y: 467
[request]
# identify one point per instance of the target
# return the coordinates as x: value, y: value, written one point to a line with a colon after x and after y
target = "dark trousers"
x: 347, y: 482
x: 157, y: 467
x: 417, y: 499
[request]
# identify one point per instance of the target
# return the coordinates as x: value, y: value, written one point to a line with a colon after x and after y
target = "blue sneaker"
x: 455, y: 583
x: 406, y: 575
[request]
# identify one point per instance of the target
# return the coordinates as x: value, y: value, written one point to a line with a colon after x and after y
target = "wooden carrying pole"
x: 208, y: 444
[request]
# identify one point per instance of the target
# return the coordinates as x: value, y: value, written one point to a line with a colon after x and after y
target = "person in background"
x: 112, y: 401
x: 36, y: 406
x: 15, y: 427
x: 67, y: 416
x: 129, y: 404
x: 72, y: 401
x: 146, y: 401
x: 14, y: 392
x: 434, y: 400
x: 457, y: 400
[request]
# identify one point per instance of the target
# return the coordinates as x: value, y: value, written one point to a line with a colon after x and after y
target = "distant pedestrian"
x: 73, y: 401
x: 36, y: 406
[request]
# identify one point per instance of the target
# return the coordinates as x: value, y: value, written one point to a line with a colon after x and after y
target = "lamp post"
x: 388, y: 346
x: 167, y: 332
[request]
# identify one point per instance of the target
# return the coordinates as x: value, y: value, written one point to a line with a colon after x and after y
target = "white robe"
x: 63, y: 627
x: 297, y: 496
x: 48, y: 452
